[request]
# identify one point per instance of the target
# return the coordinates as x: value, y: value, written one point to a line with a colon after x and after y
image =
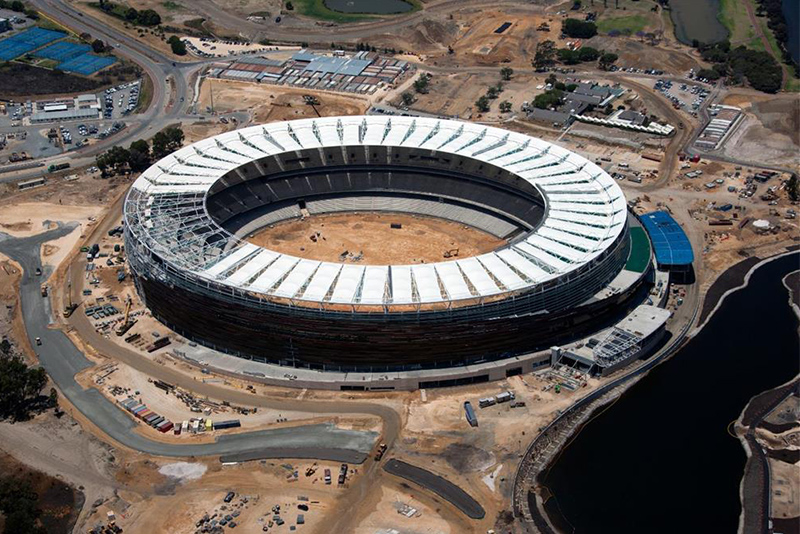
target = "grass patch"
x: 198, y: 27
x: 48, y: 63
x: 755, y: 44
x: 792, y: 85
x: 145, y: 94
x: 733, y: 15
x: 169, y: 5
x: 629, y: 24
x: 318, y: 10
x: 49, y: 24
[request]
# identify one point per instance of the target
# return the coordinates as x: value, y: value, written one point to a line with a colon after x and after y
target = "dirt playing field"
x: 368, y: 236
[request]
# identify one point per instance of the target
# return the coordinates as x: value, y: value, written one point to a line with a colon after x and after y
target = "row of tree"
x: 139, y: 155
x: 145, y: 17
x: 761, y: 70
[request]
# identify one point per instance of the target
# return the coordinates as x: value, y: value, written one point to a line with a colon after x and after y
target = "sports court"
x: 24, y: 42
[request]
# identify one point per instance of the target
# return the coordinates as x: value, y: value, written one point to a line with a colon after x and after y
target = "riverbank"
x: 613, y: 456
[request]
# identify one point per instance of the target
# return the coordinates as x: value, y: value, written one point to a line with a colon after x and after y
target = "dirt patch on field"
x: 370, y: 237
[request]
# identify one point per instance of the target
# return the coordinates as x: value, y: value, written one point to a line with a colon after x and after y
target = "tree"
x: 20, y: 388
x: 289, y: 6
x: 18, y: 503
x: 579, y: 29
x: 407, y: 98
x: 139, y: 155
x: 505, y: 106
x: 177, y: 45
x: 167, y: 141
x: 148, y: 17
x: 506, y: 73
x: 17, y: 6
x: 568, y: 57
x: 793, y: 188
x: 545, y: 56
x: 587, y: 53
x: 548, y: 99
x: 608, y: 59
x: 98, y: 46
x: 482, y: 104
x: 708, y: 74
x: 492, y: 93
x: 421, y: 84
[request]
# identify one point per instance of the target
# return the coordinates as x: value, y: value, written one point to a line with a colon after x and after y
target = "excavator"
x: 452, y: 253
x: 127, y: 323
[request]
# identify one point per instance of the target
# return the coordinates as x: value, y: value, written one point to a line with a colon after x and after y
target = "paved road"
x: 440, y: 486
x: 62, y: 360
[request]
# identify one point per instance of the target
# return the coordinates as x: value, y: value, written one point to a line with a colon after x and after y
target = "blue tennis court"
x: 62, y: 51
x: 86, y: 64
x: 24, y: 42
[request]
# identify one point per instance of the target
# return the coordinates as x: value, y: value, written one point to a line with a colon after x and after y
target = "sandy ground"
x: 259, y: 486
x: 420, y: 240
x: 269, y: 103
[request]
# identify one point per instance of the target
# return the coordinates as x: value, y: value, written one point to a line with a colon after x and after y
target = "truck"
x: 505, y: 396
x: 381, y: 451
x: 44, y: 290
x: 469, y: 412
x: 58, y: 167
x: 328, y: 477
x: 342, y: 474
x: 487, y: 401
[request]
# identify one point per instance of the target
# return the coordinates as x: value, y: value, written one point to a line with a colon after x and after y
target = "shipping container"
x: 185, y: 426
x: 209, y: 425
x: 220, y: 425
x: 470, y: 414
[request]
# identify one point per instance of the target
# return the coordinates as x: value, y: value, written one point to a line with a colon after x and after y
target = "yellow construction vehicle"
x: 127, y: 323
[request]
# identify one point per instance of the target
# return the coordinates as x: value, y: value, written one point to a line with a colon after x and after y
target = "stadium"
x: 559, y: 266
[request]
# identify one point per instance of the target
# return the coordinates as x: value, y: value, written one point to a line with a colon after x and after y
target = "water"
x: 378, y: 7
x: 697, y: 19
x: 791, y: 10
x: 661, y: 459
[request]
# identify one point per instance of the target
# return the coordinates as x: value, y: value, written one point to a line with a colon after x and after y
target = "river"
x: 791, y: 10
x: 661, y: 459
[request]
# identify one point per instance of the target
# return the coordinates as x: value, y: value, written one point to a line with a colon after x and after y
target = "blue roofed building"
x: 670, y: 243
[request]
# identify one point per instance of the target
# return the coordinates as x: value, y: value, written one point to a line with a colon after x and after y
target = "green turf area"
x: 630, y: 24
x: 318, y: 10
x: 171, y: 6
x: 639, y: 256
x: 733, y: 15
x: 792, y: 85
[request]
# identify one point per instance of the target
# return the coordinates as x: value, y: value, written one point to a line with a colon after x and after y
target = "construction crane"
x: 71, y: 306
x: 127, y: 323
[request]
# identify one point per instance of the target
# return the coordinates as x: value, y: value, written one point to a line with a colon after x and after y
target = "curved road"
x: 62, y: 361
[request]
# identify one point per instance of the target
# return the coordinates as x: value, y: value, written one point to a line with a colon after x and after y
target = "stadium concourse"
x: 563, y: 273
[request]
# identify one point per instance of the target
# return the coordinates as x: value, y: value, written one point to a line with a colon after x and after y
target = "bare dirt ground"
x: 269, y: 103
x: 455, y: 95
x: 770, y: 130
x: 332, y: 237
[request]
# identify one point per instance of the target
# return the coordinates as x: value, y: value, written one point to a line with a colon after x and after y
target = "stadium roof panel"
x: 585, y: 212
x: 671, y: 245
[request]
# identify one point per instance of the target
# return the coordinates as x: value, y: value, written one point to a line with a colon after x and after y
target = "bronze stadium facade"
x: 564, y: 220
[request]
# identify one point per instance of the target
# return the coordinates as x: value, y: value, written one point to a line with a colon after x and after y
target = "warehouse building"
x: 82, y: 107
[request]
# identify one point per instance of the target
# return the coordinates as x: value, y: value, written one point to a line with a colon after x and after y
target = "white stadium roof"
x: 584, y: 213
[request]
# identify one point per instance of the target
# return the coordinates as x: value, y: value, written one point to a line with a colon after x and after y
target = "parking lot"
x: 27, y: 141
x: 686, y: 96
